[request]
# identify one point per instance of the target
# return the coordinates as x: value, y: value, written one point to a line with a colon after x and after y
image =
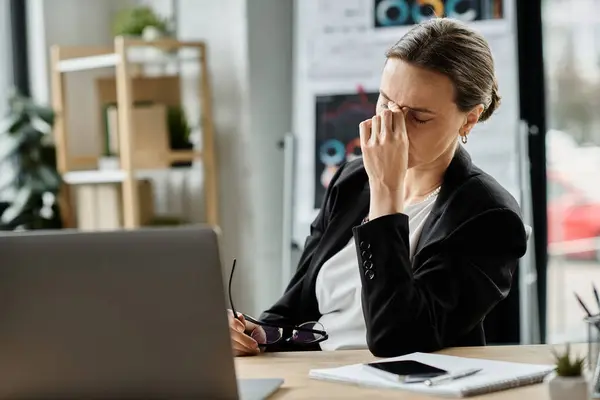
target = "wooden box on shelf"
x: 99, y: 206
x: 160, y: 89
x: 150, y: 137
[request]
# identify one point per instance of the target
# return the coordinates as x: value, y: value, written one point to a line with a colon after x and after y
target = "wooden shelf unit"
x: 126, y: 91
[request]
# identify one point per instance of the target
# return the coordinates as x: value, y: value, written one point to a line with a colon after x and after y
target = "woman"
x: 414, y: 245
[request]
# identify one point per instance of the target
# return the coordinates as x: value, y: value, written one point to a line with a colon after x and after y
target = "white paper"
x: 493, y: 372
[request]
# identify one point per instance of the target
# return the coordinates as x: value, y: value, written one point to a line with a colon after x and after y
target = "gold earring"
x: 463, y: 138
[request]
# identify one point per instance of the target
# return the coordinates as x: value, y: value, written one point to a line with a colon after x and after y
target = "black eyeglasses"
x: 304, y: 334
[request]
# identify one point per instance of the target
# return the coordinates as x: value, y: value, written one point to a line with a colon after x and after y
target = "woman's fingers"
x: 393, y: 106
x: 244, y: 340
x: 399, y: 123
x: 375, y: 129
x: 387, y: 122
x: 259, y: 334
x: 243, y: 343
x: 364, y: 129
x: 384, y: 145
x: 238, y: 324
x: 390, y: 123
x: 240, y: 351
x: 239, y: 315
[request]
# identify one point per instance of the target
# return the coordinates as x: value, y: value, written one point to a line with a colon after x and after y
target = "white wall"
x: 70, y: 23
x: 250, y: 45
x: 270, y: 48
x: 66, y: 23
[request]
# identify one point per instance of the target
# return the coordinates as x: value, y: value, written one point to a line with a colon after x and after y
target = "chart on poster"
x: 339, y: 52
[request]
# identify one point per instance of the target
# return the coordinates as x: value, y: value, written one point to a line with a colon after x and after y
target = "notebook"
x: 494, y: 376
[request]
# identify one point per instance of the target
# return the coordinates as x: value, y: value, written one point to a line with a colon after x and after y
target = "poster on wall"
x: 394, y: 13
x: 336, y: 133
x: 347, y: 39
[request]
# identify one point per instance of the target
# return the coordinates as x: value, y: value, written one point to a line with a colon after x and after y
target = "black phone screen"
x: 408, y: 368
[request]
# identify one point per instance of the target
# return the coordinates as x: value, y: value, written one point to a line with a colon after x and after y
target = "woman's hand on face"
x: 242, y: 343
x: 384, y: 144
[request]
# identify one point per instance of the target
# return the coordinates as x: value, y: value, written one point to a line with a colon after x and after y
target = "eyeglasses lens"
x: 301, y: 336
x: 266, y: 334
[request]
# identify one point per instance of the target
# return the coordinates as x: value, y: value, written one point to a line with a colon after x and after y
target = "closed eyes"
x: 411, y: 114
x: 420, y: 121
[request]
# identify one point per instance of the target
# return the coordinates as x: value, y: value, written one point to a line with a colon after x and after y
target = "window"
x: 6, y: 78
x: 555, y: 189
x: 572, y: 49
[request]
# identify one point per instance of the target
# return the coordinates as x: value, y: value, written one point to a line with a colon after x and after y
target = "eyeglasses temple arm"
x: 311, y: 331
x: 235, y: 314
x: 298, y: 328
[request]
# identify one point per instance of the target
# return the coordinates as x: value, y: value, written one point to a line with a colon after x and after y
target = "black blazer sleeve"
x: 454, y: 287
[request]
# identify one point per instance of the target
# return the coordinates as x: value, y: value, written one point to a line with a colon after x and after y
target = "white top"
x: 338, y: 287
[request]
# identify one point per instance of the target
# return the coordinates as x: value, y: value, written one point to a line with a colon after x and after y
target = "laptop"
x: 124, y: 314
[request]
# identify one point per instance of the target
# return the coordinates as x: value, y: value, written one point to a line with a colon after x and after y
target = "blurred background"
x: 131, y: 113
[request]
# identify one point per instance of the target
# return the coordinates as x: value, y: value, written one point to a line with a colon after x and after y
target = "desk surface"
x: 294, y: 367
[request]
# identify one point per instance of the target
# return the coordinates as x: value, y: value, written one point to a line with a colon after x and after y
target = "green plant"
x: 179, y: 128
x: 29, y: 184
x: 132, y: 21
x: 567, y: 367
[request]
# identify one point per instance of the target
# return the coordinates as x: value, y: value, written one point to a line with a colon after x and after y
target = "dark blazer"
x: 462, y: 267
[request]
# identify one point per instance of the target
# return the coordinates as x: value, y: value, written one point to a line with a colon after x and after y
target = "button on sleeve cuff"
x: 379, y: 241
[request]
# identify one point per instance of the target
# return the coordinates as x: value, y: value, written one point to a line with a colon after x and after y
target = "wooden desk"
x: 294, y: 367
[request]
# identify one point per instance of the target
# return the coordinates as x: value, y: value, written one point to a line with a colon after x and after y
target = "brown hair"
x: 455, y: 50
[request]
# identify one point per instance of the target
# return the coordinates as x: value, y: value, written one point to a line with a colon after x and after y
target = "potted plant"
x: 143, y: 22
x: 140, y: 21
x: 568, y: 380
x: 179, y: 132
x: 29, y: 183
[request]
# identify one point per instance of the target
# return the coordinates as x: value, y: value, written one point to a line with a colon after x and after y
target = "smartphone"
x: 405, y: 371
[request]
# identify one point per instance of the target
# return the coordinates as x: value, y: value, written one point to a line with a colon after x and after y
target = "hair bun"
x: 493, y: 104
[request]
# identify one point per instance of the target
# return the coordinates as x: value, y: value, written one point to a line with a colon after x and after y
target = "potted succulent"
x: 568, y: 381
x: 29, y: 183
x: 140, y: 21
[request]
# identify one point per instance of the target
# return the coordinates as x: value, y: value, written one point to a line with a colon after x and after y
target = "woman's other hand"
x: 384, y: 144
x: 242, y: 343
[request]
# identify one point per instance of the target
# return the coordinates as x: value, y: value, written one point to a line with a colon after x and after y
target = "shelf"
x: 116, y: 175
x: 98, y: 176
x: 94, y: 176
x: 184, y: 155
x: 112, y: 59
x: 162, y: 86
x: 87, y: 63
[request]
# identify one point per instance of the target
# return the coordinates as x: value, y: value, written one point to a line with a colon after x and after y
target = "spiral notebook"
x: 494, y: 375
